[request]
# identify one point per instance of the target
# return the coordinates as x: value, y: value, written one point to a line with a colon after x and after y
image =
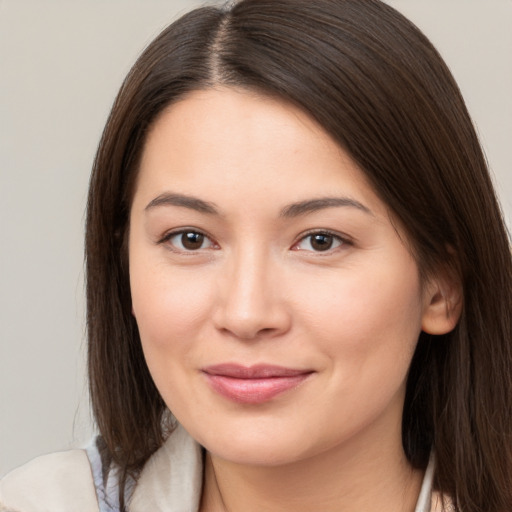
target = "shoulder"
x: 58, y: 482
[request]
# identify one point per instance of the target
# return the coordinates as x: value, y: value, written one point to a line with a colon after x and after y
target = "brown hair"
x: 377, y: 85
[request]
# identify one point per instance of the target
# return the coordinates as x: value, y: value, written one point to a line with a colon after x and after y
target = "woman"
x: 294, y: 246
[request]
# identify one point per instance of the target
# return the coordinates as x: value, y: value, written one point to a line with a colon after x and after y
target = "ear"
x: 442, y: 303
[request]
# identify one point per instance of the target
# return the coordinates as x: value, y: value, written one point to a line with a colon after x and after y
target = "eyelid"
x: 344, y: 239
x: 179, y: 231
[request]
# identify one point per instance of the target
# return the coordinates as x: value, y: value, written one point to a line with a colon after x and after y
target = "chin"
x: 250, y: 454
x: 269, y: 447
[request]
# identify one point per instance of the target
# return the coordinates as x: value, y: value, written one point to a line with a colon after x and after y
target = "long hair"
x: 375, y: 83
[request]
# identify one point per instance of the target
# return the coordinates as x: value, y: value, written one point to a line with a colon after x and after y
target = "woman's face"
x: 277, y: 304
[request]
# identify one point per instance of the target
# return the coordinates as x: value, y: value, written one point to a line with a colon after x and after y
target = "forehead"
x: 226, y: 118
x: 230, y: 143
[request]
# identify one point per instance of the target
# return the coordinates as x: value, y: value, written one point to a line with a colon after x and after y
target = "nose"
x: 251, y: 304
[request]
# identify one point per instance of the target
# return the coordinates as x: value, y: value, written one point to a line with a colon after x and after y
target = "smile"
x: 255, y: 384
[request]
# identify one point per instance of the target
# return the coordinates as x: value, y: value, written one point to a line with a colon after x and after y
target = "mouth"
x: 254, y: 384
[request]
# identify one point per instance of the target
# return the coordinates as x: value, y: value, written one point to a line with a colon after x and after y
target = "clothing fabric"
x: 170, y: 481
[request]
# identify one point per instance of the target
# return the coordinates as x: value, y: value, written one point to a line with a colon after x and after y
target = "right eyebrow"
x: 313, y: 205
x: 183, y: 200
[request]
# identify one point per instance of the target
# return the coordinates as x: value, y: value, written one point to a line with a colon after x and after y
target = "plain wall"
x: 61, y: 63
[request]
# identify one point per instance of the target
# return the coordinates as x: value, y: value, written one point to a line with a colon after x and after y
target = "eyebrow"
x: 290, y: 211
x: 193, y: 203
x: 313, y: 205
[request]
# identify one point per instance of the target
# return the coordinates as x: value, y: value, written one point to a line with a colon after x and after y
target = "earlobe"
x: 442, y: 304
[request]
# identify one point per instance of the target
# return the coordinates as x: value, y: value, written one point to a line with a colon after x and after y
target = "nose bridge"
x: 250, y: 303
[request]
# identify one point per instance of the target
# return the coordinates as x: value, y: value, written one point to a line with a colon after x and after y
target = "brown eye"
x: 187, y: 241
x: 192, y: 241
x: 319, y: 242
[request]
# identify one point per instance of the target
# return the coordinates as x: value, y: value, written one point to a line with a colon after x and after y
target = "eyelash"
x: 336, y: 238
x: 168, y: 236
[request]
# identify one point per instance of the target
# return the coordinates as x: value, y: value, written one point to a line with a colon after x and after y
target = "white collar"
x: 424, y: 499
x: 172, y: 478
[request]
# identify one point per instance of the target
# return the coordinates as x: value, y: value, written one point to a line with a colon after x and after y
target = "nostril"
x: 266, y: 330
x: 249, y: 334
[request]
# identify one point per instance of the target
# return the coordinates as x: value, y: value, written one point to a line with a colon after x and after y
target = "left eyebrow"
x: 313, y: 205
x: 185, y: 201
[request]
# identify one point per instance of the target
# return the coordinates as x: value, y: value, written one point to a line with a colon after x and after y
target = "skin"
x: 257, y: 291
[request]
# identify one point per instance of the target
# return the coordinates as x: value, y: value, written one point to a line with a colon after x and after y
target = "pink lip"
x: 255, y: 384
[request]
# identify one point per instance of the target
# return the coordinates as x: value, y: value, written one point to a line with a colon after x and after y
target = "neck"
x: 343, y: 479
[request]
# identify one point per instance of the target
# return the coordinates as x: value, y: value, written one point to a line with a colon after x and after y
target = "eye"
x: 188, y: 240
x: 321, y: 241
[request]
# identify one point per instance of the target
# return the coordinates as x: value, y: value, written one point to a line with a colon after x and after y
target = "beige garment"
x: 59, y: 482
x: 170, y: 482
x: 63, y: 482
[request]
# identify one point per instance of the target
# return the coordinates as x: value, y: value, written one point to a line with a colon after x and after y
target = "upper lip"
x: 258, y: 371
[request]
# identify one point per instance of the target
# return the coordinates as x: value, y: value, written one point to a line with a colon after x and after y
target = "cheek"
x: 367, y: 326
x: 170, y: 312
x: 366, y: 314
x: 169, y: 307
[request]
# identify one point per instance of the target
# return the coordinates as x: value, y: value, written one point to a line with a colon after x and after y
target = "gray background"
x: 61, y: 63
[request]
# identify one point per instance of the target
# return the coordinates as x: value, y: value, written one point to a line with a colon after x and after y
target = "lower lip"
x: 254, y: 391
